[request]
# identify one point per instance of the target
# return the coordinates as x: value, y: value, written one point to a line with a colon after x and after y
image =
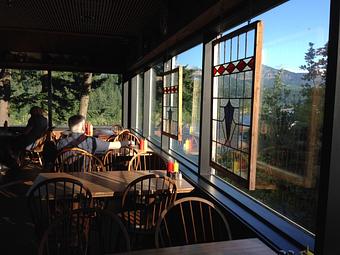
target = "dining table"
x: 109, y: 183
x: 248, y: 246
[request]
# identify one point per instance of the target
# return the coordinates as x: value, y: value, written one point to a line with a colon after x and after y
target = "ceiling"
x: 105, y: 35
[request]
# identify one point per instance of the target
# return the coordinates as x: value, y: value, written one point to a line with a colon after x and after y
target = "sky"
x: 287, y: 31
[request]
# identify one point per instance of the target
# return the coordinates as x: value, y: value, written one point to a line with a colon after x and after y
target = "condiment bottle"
x: 86, y: 128
x: 176, y: 167
x: 170, y: 167
x: 90, y: 129
x: 141, y: 144
x: 145, y: 144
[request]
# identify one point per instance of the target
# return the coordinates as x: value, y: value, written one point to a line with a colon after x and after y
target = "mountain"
x: 288, y: 78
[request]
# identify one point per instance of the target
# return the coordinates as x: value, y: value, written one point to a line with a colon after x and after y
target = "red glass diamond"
x: 241, y: 65
x: 230, y: 68
x: 221, y: 69
x: 251, y: 63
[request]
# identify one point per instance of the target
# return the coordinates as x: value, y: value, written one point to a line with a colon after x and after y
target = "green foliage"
x: 187, y: 95
x: 26, y: 90
x: 277, y: 113
x: 105, y: 107
x: 292, y: 139
x: 314, y: 86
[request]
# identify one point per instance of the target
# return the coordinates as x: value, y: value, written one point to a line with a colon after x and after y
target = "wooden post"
x: 49, y: 90
x: 5, y: 88
x: 256, y: 106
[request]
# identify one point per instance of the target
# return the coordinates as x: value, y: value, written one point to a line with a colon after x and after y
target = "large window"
x: 294, y: 61
x: 19, y: 91
x: 191, y: 61
x: 156, y: 102
x: 97, y: 96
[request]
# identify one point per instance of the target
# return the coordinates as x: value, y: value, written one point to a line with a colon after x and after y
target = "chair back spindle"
x: 77, y: 160
x: 147, y: 161
x: 144, y: 200
x: 55, y: 197
x: 191, y: 220
x: 118, y: 159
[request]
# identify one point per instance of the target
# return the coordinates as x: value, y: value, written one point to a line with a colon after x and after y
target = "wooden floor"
x: 16, y: 229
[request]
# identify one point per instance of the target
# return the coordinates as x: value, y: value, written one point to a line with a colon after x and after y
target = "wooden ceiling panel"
x: 79, y: 16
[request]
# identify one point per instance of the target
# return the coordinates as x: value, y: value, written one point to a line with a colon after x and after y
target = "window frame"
x: 275, y: 229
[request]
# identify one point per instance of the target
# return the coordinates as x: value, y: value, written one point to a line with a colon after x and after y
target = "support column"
x: 328, y: 224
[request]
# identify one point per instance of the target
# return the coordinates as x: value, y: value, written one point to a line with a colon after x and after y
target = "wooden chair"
x: 77, y: 160
x: 55, y: 197
x: 109, y: 234
x: 117, y: 129
x: 122, y: 133
x: 34, y: 155
x: 143, y: 201
x: 89, y: 231
x: 118, y: 159
x: 191, y: 220
x: 125, y: 135
x: 147, y: 161
x: 68, y: 234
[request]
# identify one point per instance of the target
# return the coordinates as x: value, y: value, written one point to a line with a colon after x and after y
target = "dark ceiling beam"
x: 98, y: 68
x: 25, y: 41
x: 59, y: 33
x: 205, y: 18
x: 217, y: 18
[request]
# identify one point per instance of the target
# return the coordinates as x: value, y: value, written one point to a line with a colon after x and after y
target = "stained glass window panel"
x: 234, y: 105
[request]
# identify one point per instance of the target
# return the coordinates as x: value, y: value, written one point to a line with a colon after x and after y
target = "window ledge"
x: 278, y: 232
x: 275, y: 230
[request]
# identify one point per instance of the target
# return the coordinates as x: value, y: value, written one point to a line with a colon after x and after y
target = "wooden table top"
x: 251, y: 246
x: 107, y: 184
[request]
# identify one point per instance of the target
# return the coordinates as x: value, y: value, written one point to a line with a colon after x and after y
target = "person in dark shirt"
x: 92, y: 145
x: 35, y: 129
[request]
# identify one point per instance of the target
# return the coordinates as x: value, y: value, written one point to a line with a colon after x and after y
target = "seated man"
x: 78, y: 139
x: 35, y: 129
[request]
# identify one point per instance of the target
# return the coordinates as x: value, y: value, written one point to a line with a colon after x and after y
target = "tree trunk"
x: 85, y: 94
x: 5, y: 93
x: 44, y: 81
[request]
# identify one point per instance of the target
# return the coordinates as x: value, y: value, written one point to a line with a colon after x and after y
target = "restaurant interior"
x: 169, y: 127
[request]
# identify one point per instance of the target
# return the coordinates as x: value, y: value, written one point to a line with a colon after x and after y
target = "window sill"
x: 273, y: 229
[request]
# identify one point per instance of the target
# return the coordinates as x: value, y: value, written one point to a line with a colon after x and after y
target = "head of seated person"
x: 76, y: 123
x: 35, y: 110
